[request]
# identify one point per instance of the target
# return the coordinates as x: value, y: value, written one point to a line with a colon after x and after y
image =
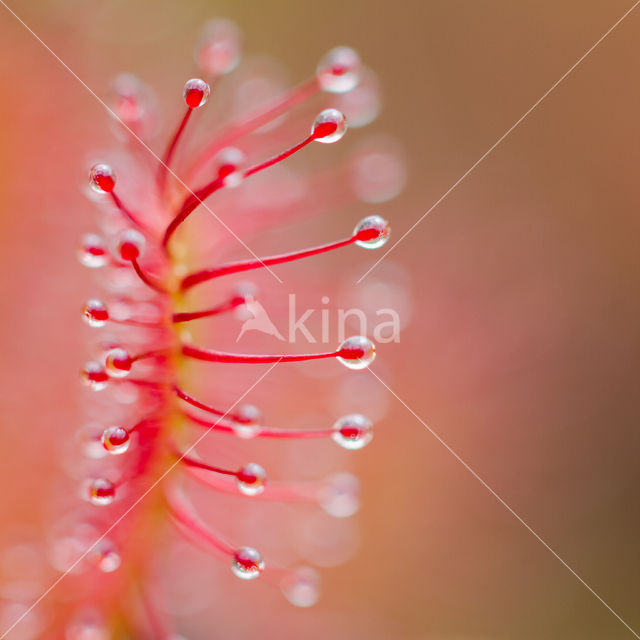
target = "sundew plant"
x: 146, y: 422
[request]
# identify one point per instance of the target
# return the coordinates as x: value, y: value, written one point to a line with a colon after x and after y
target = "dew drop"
x: 340, y: 497
x: 357, y: 352
x: 372, y: 232
x: 127, y: 89
x: 101, y: 491
x: 220, y: 47
x: 94, y: 376
x: 353, y: 431
x: 339, y: 70
x: 109, y: 561
x: 115, y: 440
x: 245, y: 289
x: 243, y: 293
x: 301, y: 587
x: 133, y: 104
x: 92, y: 252
x: 196, y: 93
x: 131, y: 244
x: 248, y: 414
x: 229, y: 161
x: 245, y: 431
x: 247, y: 563
x: 251, y: 479
x: 329, y: 126
x: 102, y: 178
x: 95, y: 313
x: 118, y: 363
x: 105, y: 556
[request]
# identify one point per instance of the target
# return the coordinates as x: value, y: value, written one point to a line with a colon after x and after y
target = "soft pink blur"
x: 522, y: 350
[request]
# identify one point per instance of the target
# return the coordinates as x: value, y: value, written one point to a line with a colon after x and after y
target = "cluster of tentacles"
x: 143, y: 447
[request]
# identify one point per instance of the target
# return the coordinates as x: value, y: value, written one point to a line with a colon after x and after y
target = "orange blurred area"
x: 519, y: 291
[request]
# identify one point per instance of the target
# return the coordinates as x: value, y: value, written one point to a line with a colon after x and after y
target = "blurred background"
x: 519, y: 291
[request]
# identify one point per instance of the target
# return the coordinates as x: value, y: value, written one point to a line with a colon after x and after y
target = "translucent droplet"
x: 131, y: 244
x: 248, y: 414
x: 102, y: 178
x: 127, y: 88
x: 356, y: 352
x: 340, y: 497
x: 196, y: 93
x: 220, y: 47
x: 245, y: 431
x: 95, y: 313
x: 353, y: 431
x: 372, y: 232
x: 133, y: 104
x: 105, y: 556
x: 101, y: 491
x: 92, y: 252
x: 109, y: 561
x: 329, y: 126
x: 251, y: 479
x: 94, y: 376
x: 339, y: 70
x: 118, y: 363
x: 245, y: 289
x: 238, y: 299
x: 301, y: 587
x: 230, y: 160
x: 115, y: 440
x: 247, y: 563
